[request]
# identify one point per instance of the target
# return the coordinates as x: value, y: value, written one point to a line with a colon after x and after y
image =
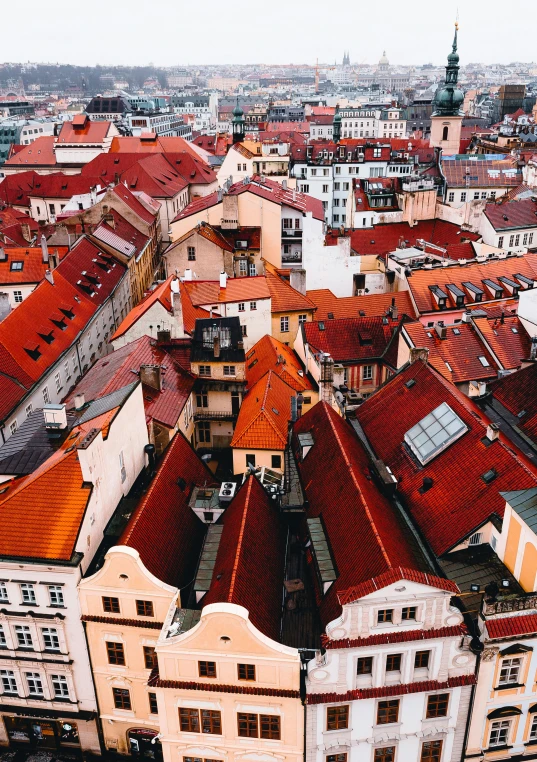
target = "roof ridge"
x: 239, y: 541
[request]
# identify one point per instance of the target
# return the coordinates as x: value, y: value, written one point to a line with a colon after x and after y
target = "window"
x: 110, y: 605
x: 276, y: 461
x: 202, y: 400
x: 17, y: 296
x: 533, y: 728
x: 302, y: 319
x: 387, y: 712
x: 421, y: 659
x: 153, y: 704
x: 122, y: 698
x: 510, y: 671
x: 59, y: 686
x: 336, y: 202
x: 9, y: 684
x: 144, y: 608
x: 253, y: 305
x: 511, y: 240
x: 55, y: 594
x: 15, y: 265
x: 367, y: 373
x: 52, y: 208
x: 211, y: 721
x: 500, y: 242
x: 393, y: 663
x: 451, y: 197
x: 13, y: 427
x: 384, y: 754
x: 431, y: 751
x: 384, y: 615
x: 191, y: 253
x: 241, y: 307
x: 364, y: 665
x: 499, y: 732
x: 58, y: 381
x: 476, y: 195
x: 305, y: 188
x: 246, y: 671
x: 437, y: 705
x: 116, y: 653
x: 46, y: 398
x: 229, y: 370
x: 288, y: 222
x: 207, y: 668
x: 337, y: 186
x: 205, y: 370
x: 3, y: 593
x: 150, y: 657
x: 204, y: 431
x: 338, y: 170
x: 243, y: 266
x: 243, y: 330
x: 3, y: 641
x: 50, y: 638
x: 409, y: 613
x: 336, y: 758
x: 270, y: 726
x: 247, y: 725
x: 35, y: 684
x: 28, y: 593
x: 336, y: 217
x: 463, y: 196
x: 525, y: 239
x: 250, y: 460
x: 284, y: 324
x: 434, y: 433
x: 337, y: 717
x: 24, y: 637
x: 483, y: 194
x: 325, y: 188
x: 517, y: 240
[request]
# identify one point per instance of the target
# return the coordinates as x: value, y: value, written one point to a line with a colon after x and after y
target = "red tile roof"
x: 33, y: 267
x: 383, y: 239
x: 208, y: 292
x: 14, y: 189
x: 121, y: 367
x: 482, y: 173
x: 270, y: 354
x: 164, y: 529
x: 84, y: 131
x: 39, y: 153
x: 518, y: 393
x: 134, y: 204
x: 264, y: 415
x: 508, y: 340
x: 348, y: 498
x: 120, y: 622
x: 268, y: 190
x: 395, y: 575
x: 212, y: 687
x: 513, y: 214
x: 372, y: 305
x: 348, y: 339
x: 473, y: 272
x: 249, y: 567
x: 285, y: 298
x: 459, y: 500
x: 59, y: 185
x: 511, y: 626
x: 456, y: 356
x: 400, y: 636
x: 164, y: 145
x: 392, y: 690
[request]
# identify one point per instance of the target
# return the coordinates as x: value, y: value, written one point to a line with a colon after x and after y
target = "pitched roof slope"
x: 264, y: 415
x: 364, y: 533
x: 164, y: 529
x: 351, y: 338
x: 249, y: 567
x: 285, y: 298
x: 208, y: 292
x: 517, y: 392
x: 270, y: 354
x: 372, y: 305
x: 460, y: 500
x: 507, y: 338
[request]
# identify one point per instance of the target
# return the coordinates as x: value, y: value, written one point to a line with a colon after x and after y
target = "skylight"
x: 484, y: 362
x: 434, y: 433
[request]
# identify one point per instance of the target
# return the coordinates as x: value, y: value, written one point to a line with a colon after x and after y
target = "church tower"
x: 237, y: 124
x: 446, y: 119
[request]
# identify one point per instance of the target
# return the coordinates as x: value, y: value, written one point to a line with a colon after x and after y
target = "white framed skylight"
x: 434, y: 433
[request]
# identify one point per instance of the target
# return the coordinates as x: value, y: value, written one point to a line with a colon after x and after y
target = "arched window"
x: 445, y: 133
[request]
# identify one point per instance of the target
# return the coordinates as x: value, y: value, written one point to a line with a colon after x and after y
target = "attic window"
x: 35, y: 354
x: 251, y: 365
x: 17, y: 265
x: 456, y: 332
x: 514, y: 330
x: 409, y: 384
x: 47, y: 337
x: 434, y: 433
x: 361, y: 313
x: 484, y: 362
x: 330, y: 316
x: 274, y: 410
x: 68, y: 313
x: 489, y: 476
x: 321, y: 326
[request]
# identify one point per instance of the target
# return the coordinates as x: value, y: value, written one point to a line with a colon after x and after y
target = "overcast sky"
x: 177, y: 32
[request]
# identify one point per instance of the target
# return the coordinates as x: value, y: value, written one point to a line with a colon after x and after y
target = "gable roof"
x: 371, y: 305
x: 345, y: 497
x: 264, y: 415
x: 39, y: 153
x: 481, y: 172
x: 270, y: 354
x: 507, y: 338
x: 460, y: 500
x: 31, y: 258
x: 350, y: 339
x: 513, y: 215
x: 250, y: 563
x: 208, y: 292
x: 285, y: 298
x: 164, y: 529
x: 517, y: 392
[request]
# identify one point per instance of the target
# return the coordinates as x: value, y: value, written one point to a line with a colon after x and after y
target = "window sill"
x: 34, y: 605
x: 508, y: 686
x: 56, y: 606
x: 503, y: 747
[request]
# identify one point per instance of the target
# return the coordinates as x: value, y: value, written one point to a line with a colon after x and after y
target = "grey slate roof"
x: 107, y: 403
x: 524, y: 502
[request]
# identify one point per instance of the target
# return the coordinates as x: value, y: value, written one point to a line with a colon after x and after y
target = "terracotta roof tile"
x: 511, y: 626
x: 372, y: 305
x: 513, y: 214
x: 348, y: 339
x: 270, y: 354
x: 88, y: 132
x: 518, y: 393
x: 33, y: 268
x: 400, y: 636
x: 208, y: 292
x: 508, y: 340
x: 482, y: 172
x: 285, y: 298
x: 392, y: 690
x: 264, y: 415
x: 38, y: 153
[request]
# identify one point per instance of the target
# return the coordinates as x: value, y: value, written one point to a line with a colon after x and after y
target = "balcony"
x: 507, y: 605
x: 286, y: 233
x: 292, y: 258
x: 215, y: 415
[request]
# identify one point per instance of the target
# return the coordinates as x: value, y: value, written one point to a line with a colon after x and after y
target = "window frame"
x: 143, y: 607
x: 385, y: 616
x: 207, y: 669
x: 388, y: 707
x: 115, y: 652
x: 249, y: 672
x: 435, y: 702
x: 336, y: 715
x: 111, y: 601
x: 122, y: 699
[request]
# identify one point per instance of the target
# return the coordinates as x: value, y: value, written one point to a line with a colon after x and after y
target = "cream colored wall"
x: 217, y: 370
x: 123, y: 576
x: 517, y: 548
x: 277, y: 668
x: 262, y: 458
x: 209, y: 260
x: 288, y: 337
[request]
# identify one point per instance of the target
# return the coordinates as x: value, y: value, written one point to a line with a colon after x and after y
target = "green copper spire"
x: 448, y: 99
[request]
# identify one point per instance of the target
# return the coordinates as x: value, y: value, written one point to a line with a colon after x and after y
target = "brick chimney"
x: 26, y: 232
x: 151, y: 375
x: 44, y: 249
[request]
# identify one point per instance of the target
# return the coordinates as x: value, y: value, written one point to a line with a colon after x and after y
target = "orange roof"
x: 270, y: 354
x: 264, y: 415
x: 83, y: 130
x: 41, y: 518
x: 33, y: 268
x: 285, y: 298
x: 508, y: 340
x: 372, y: 305
x: 41, y: 151
x: 160, y: 145
x: 208, y: 292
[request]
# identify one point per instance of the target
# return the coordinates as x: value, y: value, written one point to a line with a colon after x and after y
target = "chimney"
x: 80, y: 401
x: 284, y: 183
x: 188, y: 274
x: 26, y: 232
x: 53, y: 259
x: 5, y: 307
x: 219, y: 194
x: 419, y: 353
x: 466, y: 316
x: 55, y: 419
x: 394, y: 311
x: 297, y: 280
x: 49, y: 276
x: 223, y: 279
x: 151, y: 375
x: 441, y: 331
x: 3, y: 255
x: 326, y: 381
x: 493, y: 432
x: 216, y: 346
x: 44, y: 249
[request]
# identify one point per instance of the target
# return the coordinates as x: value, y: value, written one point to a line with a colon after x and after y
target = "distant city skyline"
x: 120, y: 33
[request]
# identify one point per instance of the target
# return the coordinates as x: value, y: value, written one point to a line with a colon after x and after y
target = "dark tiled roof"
x: 351, y: 338
x: 513, y: 215
x: 518, y: 393
x: 119, y: 622
x: 248, y: 690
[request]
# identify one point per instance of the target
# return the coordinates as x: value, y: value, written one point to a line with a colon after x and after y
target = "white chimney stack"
x: 493, y: 432
x: 44, y: 249
x: 80, y: 401
x: 188, y: 274
x: 223, y: 279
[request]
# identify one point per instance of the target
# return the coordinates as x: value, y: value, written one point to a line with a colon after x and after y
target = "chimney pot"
x: 151, y: 375
x: 223, y: 279
x: 44, y: 249
x: 493, y: 431
x: 80, y: 401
